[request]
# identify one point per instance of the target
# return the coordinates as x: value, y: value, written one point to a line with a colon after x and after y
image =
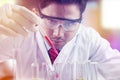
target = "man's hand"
x: 17, y: 20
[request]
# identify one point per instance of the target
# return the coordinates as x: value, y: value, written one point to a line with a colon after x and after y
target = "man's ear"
x: 35, y: 11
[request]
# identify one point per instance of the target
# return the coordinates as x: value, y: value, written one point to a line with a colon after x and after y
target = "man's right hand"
x: 17, y: 20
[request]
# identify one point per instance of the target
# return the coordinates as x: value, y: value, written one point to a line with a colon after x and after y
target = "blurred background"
x: 102, y: 15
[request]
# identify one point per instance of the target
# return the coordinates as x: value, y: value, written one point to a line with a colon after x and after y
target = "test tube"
x: 35, y: 71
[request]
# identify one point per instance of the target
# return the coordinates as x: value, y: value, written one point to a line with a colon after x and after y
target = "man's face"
x: 60, y: 31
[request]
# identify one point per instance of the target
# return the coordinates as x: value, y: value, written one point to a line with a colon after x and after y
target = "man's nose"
x: 58, y: 32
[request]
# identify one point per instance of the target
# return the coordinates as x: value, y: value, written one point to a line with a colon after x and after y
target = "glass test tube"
x: 35, y: 71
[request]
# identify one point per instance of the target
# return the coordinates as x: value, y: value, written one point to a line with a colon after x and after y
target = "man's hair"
x: 80, y: 3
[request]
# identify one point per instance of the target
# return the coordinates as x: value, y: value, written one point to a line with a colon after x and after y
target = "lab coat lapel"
x: 65, y: 52
x: 42, y: 48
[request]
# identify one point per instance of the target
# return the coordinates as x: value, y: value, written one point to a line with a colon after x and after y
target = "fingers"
x: 29, y: 15
x: 16, y: 20
x: 23, y: 22
x: 14, y: 26
x: 7, y: 10
x: 3, y: 30
x: 25, y: 17
x: 7, y: 31
x: 10, y: 24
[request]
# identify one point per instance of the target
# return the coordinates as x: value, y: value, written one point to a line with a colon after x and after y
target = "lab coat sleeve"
x: 6, y: 49
x: 108, y: 59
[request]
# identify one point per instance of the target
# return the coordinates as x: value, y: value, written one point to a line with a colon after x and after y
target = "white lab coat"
x: 101, y: 61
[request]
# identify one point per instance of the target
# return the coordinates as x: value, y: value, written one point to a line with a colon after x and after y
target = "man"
x: 78, y: 52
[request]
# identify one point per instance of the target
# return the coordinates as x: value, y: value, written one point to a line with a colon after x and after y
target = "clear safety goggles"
x: 54, y: 22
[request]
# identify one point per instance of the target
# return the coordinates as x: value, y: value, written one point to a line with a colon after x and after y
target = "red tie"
x: 53, y: 54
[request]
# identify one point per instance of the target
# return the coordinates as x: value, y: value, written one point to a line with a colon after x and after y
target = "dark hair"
x: 81, y: 3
